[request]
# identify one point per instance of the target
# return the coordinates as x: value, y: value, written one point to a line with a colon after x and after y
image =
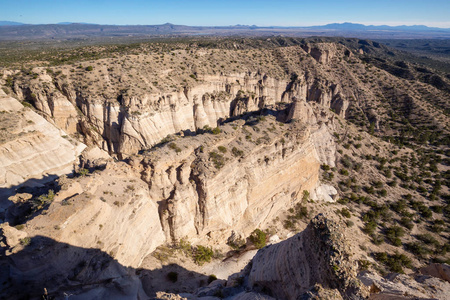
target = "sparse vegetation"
x: 258, y: 238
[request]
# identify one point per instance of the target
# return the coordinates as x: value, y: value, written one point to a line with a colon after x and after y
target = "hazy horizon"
x: 286, y: 13
x: 324, y: 24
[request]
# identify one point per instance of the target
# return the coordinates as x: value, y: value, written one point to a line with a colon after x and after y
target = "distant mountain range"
x: 68, y: 30
x: 9, y: 23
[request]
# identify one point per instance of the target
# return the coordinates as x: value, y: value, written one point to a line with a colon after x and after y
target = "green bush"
x: 394, y: 234
x: 236, y: 152
x: 377, y: 239
x: 211, y: 278
x: 325, y: 167
x: 25, y: 241
x: 343, y: 172
x: 83, y: 172
x: 258, y: 238
x: 174, y: 146
x: 217, y: 159
x: 222, y: 149
x: 43, y: 200
x: 418, y: 249
x: 407, y: 222
x: 89, y: 68
x: 216, y: 130
x: 345, y: 212
x: 202, y: 254
x: 19, y: 227
x: 394, y: 262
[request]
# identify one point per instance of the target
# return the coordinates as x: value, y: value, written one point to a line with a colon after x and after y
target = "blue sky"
x: 229, y: 12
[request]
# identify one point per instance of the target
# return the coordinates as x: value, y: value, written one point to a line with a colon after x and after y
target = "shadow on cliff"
x: 63, y: 269
x: 27, y: 204
x: 34, y: 187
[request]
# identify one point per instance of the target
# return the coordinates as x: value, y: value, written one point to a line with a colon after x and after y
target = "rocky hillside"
x: 195, y: 152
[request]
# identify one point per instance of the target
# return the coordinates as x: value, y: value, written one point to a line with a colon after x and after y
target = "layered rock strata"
x: 126, y: 124
x: 31, y: 148
x: 236, y: 180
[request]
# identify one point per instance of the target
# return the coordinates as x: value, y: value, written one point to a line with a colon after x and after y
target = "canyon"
x: 108, y: 163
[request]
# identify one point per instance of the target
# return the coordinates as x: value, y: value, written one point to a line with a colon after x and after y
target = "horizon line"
x: 244, y: 25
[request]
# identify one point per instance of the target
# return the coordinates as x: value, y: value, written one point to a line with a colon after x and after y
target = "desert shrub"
x: 83, y: 172
x: 437, y: 228
x: 216, y: 130
x: 211, y: 278
x: 406, y: 222
x: 437, y: 209
x: 202, y: 254
x: 394, y: 262
x: 325, y: 167
x: 174, y: 147
x: 25, y: 241
x: 289, y: 224
x: 394, y: 234
x: 172, y: 276
x: 217, y: 159
x: 163, y: 253
x: 377, y: 239
x: 343, y: 201
x: 43, y: 200
x: 369, y: 189
x: 258, y: 238
x: 364, y: 264
x: 427, y: 239
x: 222, y: 149
x: 343, y: 172
x: 370, y: 227
x: 399, y: 206
x: 236, y: 152
x: 345, y: 212
x: 418, y: 249
x: 89, y: 68
x: 305, y: 196
x: 382, y: 192
x: 19, y: 227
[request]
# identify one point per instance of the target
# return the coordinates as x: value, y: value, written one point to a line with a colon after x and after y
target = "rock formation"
x: 124, y: 123
x: 31, y: 148
x: 318, y: 255
x: 236, y: 180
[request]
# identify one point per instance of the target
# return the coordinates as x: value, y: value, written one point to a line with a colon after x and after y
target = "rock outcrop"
x: 318, y: 255
x: 237, y: 180
x: 110, y: 210
x: 124, y: 124
x: 401, y: 286
x: 31, y: 148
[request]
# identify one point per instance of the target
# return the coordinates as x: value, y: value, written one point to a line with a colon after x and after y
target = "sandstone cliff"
x: 236, y: 180
x: 110, y: 210
x: 123, y: 115
x: 31, y: 148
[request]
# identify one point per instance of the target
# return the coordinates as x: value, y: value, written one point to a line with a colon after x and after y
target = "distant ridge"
x: 356, y: 26
x: 68, y: 30
x: 10, y: 23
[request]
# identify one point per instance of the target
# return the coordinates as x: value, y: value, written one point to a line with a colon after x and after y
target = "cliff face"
x: 109, y: 210
x: 30, y: 147
x: 124, y: 122
x: 236, y: 180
